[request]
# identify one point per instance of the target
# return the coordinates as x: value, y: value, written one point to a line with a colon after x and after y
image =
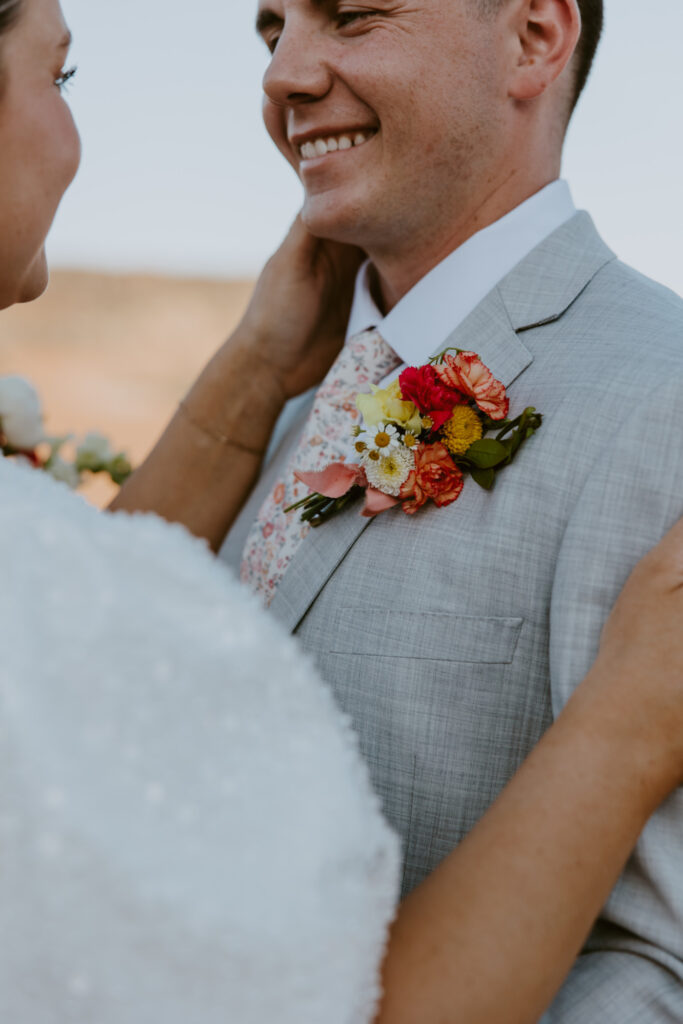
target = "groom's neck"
x: 401, y: 262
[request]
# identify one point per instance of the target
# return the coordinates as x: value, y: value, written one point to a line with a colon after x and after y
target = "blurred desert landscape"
x: 115, y: 353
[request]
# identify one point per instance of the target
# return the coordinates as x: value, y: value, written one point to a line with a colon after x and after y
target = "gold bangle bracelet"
x: 215, y: 435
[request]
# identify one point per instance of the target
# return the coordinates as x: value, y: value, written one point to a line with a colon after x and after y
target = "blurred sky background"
x: 179, y: 176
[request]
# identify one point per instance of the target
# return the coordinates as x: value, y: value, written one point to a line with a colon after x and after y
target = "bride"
x: 187, y: 832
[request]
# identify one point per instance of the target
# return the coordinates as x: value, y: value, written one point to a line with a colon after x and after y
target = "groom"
x: 429, y: 134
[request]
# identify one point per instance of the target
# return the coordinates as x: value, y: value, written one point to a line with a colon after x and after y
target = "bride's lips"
x: 316, y: 145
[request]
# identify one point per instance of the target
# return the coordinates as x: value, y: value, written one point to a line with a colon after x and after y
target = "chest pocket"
x: 436, y: 636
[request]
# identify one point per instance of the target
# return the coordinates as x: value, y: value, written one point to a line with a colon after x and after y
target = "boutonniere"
x: 419, y: 438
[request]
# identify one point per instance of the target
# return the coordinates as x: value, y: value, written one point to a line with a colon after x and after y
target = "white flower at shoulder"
x: 21, y: 414
x: 94, y: 449
x: 63, y: 471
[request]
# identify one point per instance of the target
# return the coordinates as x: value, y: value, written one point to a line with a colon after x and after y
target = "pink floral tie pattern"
x: 275, y: 536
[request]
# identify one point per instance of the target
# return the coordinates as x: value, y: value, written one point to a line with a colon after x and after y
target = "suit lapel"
x: 489, y: 332
x: 539, y: 290
x: 545, y: 284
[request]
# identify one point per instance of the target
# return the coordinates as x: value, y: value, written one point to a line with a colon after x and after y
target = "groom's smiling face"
x: 390, y: 111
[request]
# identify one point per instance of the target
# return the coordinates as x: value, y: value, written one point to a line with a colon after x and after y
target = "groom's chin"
x: 333, y: 222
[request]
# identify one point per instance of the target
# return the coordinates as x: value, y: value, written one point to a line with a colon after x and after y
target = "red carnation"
x: 423, y: 387
x: 436, y: 476
x: 466, y: 372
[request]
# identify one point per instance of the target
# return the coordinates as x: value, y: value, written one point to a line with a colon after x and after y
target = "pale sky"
x: 179, y: 176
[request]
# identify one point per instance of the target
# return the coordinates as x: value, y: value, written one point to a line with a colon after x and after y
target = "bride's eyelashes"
x: 64, y: 77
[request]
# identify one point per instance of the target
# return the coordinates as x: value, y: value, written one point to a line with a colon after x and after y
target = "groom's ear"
x: 545, y: 34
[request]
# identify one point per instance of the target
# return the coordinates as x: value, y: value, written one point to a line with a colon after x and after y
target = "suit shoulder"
x: 622, y: 309
x: 634, y: 300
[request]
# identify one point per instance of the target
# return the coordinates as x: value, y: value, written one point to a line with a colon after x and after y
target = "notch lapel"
x: 539, y: 290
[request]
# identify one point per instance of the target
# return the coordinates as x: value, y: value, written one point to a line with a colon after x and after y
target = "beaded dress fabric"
x: 187, y: 830
x: 275, y: 535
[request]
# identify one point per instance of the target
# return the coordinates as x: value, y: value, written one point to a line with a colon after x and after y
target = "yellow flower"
x: 386, y: 405
x: 462, y: 429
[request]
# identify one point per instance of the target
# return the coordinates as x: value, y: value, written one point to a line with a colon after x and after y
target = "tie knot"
x: 366, y: 359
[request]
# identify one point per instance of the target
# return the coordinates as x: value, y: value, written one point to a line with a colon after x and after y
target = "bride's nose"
x: 298, y: 71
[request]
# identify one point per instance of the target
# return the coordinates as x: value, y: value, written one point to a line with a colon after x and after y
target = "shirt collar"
x: 424, y: 318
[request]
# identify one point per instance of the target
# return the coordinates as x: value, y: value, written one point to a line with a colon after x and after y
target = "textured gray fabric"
x: 452, y: 638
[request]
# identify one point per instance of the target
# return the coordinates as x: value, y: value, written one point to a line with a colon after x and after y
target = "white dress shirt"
x: 429, y: 313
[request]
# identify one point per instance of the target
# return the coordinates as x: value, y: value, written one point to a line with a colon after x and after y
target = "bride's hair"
x: 9, y: 12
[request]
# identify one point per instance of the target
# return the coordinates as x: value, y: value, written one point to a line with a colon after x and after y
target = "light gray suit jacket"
x: 454, y: 637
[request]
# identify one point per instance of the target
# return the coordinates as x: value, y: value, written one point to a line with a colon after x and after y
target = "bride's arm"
x: 491, y: 935
x: 208, y: 458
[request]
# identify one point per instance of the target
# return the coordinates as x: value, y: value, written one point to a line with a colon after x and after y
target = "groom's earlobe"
x: 547, y: 33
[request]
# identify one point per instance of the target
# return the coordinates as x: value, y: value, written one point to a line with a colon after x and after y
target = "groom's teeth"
x: 321, y: 147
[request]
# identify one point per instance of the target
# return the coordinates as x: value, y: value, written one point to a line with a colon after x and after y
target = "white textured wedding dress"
x: 187, y: 831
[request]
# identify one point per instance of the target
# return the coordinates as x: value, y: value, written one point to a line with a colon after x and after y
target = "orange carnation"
x: 435, y: 476
x: 466, y: 372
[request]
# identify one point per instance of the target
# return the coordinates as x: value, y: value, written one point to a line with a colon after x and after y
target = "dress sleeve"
x: 187, y: 829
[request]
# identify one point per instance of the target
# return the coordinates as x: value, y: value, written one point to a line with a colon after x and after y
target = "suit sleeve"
x: 631, y: 971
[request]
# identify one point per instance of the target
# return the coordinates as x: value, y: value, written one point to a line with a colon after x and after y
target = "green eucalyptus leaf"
x: 484, y: 477
x: 487, y: 453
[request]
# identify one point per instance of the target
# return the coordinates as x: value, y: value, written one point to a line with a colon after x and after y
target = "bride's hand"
x: 640, y: 663
x: 297, y: 317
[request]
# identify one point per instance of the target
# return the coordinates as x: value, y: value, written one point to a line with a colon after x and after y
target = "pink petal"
x: 376, y: 502
x: 334, y: 481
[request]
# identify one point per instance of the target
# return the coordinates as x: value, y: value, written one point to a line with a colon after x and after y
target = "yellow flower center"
x: 462, y: 429
x: 375, y: 456
x: 409, y: 440
x: 382, y: 440
x: 360, y: 446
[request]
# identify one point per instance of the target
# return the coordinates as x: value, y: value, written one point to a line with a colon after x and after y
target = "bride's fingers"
x: 343, y: 260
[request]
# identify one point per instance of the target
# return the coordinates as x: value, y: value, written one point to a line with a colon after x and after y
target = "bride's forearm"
x: 207, y: 460
x: 491, y: 935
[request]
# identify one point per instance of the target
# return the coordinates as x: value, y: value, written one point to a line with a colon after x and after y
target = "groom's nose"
x: 298, y: 72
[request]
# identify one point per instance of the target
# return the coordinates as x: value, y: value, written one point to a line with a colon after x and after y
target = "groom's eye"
x: 269, y: 26
x: 345, y: 18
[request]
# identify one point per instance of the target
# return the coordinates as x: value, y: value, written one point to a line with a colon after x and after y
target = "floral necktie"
x: 275, y: 536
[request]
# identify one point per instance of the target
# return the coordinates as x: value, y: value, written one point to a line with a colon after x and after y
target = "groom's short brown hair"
x: 592, y: 21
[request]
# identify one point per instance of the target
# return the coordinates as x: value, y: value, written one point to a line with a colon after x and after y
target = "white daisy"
x: 389, y: 472
x: 383, y: 439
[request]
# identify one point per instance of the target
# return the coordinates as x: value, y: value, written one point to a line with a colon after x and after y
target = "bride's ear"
x: 546, y: 36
